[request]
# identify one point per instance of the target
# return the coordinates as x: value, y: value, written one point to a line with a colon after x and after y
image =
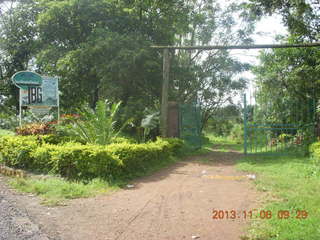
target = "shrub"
x: 122, y: 140
x: 95, y: 126
x: 175, y: 145
x: 314, y: 150
x: 57, y: 139
x: 137, y: 158
x: 35, y: 129
x: 16, y: 151
x: 73, y: 160
x: 236, y: 133
x: 77, y: 161
x: 8, y: 120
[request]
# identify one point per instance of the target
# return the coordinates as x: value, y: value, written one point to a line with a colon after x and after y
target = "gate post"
x: 164, y: 95
x: 245, y: 122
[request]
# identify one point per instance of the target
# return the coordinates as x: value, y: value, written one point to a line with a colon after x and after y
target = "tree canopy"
x: 101, y: 49
x: 286, y: 79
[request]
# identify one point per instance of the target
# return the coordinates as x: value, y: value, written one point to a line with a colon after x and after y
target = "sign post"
x: 39, y: 93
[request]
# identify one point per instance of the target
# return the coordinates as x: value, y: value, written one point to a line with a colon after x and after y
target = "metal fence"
x: 190, y: 124
x: 280, y: 129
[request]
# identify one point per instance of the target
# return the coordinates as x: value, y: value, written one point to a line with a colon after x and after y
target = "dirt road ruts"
x: 15, y: 223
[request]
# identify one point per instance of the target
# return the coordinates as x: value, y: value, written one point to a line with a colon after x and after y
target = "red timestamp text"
x: 262, y: 214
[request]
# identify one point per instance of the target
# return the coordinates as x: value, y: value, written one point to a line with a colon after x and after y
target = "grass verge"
x: 55, y: 191
x: 292, y: 184
x: 4, y: 132
x: 223, y: 144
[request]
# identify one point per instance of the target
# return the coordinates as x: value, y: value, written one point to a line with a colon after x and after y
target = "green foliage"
x: 150, y: 122
x: 4, y: 132
x: 137, y: 158
x: 174, y: 144
x: 108, y: 58
x: 55, y: 191
x: 8, y: 119
x: 314, y: 150
x: 35, y: 129
x: 237, y: 133
x: 289, y: 183
x: 77, y: 161
x: 287, y: 85
x: 17, y: 151
x: 96, y: 127
x: 57, y: 139
x: 18, y: 44
x: 301, y: 17
x: 101, y: 49
x: 226, y: 122
x: 122, y: 140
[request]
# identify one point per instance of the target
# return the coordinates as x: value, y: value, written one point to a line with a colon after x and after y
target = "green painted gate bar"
x: 264, y: 136
x: 245, y: 123
x: 190, y: 124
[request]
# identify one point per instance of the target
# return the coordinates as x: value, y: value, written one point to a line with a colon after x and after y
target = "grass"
x: 56, y: 191
x: 4, y: 132
x: 212, y: 142
x: 287, y: 182
x: 292, y: 183
x: 224, y: 144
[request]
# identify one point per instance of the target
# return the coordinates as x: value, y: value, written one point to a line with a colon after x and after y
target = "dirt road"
x: 15, y: 223
x: 175, y: 203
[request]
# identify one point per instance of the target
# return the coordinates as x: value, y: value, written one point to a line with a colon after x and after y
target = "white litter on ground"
x: 251, y: 176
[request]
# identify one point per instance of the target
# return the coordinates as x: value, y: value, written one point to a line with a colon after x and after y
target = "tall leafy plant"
x: 150, y: 122
x: 97, y: 126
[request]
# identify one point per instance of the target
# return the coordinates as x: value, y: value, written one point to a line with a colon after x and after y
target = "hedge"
x: 16, y: 151
x: 74, y: 160
x: 314, y: 150
x: 78, y: 161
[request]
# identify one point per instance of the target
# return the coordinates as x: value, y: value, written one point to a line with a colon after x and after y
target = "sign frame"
x: 38, y: 82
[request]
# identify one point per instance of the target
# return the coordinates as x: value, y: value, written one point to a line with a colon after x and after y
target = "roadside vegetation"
x: 83, y: 154
x: 110, y: 83
x: 55, y: 191
x: 4, y: 132
x: 287, y: 183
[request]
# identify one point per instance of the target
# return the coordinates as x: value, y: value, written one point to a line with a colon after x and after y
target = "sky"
x: 266, y: 31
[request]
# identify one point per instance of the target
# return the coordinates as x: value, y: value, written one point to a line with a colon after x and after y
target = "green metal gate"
x: 290, y: 130
x: 190, y: 124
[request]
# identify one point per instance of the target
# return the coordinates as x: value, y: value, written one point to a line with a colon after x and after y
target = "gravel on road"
x: 15, y: 223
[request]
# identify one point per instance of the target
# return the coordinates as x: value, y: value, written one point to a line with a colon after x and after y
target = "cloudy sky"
x: 266, y: 31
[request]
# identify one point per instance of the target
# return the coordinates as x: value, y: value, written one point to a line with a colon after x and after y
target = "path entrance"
x: 175, y: 203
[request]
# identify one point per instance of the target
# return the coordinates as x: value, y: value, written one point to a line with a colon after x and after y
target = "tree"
x: 301, y: 17
x: 287, y: 84
x: 18, y: 44
x: 102, y: 48
x: 210, y: 77
x: 287, y: 78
